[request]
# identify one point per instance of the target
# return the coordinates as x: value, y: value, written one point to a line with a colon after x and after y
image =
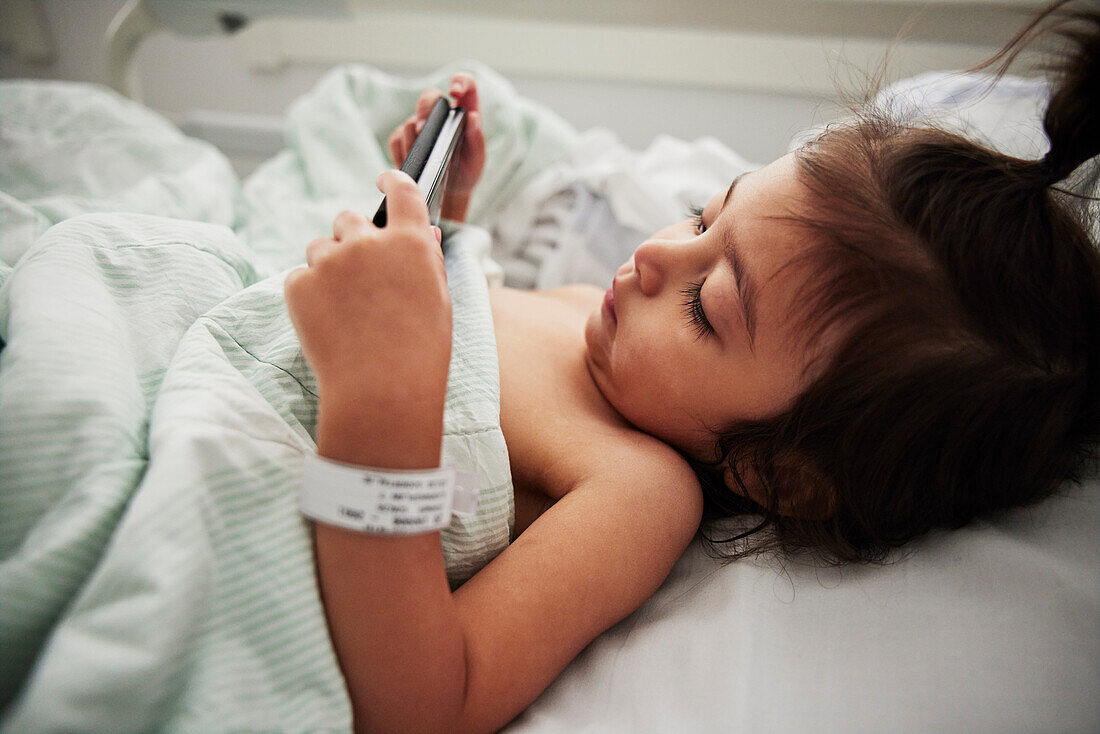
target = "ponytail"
x: 1072, y: 120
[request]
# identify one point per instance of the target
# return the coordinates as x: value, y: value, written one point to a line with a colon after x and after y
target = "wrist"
x: 395, y: 435
x: 382, y: 501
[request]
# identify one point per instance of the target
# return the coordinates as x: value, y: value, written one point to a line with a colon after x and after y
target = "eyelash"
x: 693, y: 310
x: 693, y: 294
x: 696, y: 215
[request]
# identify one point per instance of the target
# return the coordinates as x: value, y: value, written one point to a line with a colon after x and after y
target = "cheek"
x: 649, y: 376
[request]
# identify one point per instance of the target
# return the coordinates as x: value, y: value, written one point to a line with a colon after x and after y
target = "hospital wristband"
x: 388, y: 501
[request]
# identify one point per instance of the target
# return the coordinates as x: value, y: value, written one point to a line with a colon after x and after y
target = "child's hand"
x: 471, y: 159
x: 373, y: 315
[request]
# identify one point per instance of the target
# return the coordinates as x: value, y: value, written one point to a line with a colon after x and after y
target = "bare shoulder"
x: 653, y: 478
x: 627, y: 476
x: 637, y: 501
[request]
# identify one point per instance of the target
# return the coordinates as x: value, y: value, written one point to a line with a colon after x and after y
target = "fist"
x: 372, y: 310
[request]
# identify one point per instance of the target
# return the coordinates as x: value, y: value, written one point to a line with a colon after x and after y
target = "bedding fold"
x: 157, y: 572
x: 154, y: 408
x: 92, y: 315
x: 336, y: 145
x: 68, y: 149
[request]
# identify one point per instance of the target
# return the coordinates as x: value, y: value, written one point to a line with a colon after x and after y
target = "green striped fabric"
x: 154, y: 419
x: 155, y: 574
x: 86, y: 352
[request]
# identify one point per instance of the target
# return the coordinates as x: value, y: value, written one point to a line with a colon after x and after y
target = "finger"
x: 397, y: 151
x: 424, y: 104
x: 396, y: 154
x: 473, y: 140
x: 348, y: 224
x: 403, y: 144
x: 316, y: 250
x: 464, y: 91
x: 404, y: 200
x: 438, y: 234
x: 409, y: 135
x: 292, y: 278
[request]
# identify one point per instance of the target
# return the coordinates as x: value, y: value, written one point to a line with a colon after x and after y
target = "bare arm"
x: 417, y: 658
x: 363, y: 293
x: 389, y: 608
x: 585, y: 564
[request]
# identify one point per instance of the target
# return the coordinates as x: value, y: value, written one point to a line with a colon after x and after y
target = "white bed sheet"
x: 994, y: 628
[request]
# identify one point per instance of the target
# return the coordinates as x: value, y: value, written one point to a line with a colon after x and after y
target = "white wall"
x: 749, y: 72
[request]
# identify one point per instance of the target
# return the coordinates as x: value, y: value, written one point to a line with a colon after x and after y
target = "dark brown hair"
x: 966, y: 295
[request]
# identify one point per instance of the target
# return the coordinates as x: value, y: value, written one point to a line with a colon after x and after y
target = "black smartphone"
x: 434, y: 152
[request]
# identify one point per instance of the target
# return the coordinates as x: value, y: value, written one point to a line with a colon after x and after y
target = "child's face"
x: 680, y: 369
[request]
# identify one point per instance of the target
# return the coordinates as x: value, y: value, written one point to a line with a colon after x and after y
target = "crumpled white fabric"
x: 582, y: 218
x: 1005, y: 114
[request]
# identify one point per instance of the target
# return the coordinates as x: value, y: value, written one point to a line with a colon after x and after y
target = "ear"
x: 802, y: 490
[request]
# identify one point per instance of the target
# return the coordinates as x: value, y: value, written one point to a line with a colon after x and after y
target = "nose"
x: 657, y: 261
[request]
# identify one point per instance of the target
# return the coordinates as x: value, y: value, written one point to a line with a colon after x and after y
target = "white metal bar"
x: 770, y: 62
x: 127, y: 30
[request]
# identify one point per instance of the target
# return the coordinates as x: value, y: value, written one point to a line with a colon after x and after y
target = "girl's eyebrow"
x: 729, y: 192
x: 746, y: 283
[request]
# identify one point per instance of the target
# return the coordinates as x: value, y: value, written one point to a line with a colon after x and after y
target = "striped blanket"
x: 155, y: 405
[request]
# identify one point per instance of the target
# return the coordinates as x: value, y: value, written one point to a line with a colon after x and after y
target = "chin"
x: 595, y: 371
x: 595, y: 359
x: 594, y: 340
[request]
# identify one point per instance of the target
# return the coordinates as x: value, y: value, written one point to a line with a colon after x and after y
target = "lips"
x: 609, y: 303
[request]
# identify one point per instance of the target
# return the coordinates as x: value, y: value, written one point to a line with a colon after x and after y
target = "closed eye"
x: 693, y: 310
x: 695, y: 213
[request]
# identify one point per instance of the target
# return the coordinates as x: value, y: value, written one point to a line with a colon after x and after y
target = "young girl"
x: 889, y: 330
